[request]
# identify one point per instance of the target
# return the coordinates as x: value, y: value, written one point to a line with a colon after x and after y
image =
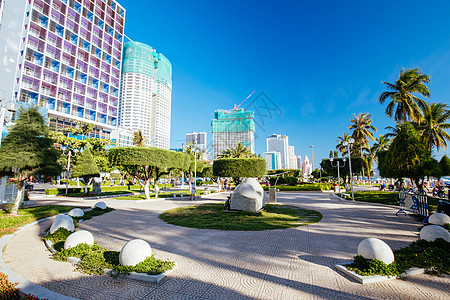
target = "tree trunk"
x: 86, y: 188
x: 364, y: 177
x: 19, y: 198
x: 145, y: 185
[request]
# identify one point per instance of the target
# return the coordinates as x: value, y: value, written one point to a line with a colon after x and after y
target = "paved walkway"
x: 279, y: 264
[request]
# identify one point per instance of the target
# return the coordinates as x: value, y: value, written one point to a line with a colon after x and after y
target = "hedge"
x: 239, y: 167
x: 303, y: 187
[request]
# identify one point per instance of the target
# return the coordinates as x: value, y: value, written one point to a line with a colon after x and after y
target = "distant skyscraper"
x: 230, y: 127
x: 198, y: 138
x: 292, y: 161
x: 279, y: 143
x: 299, y: 161
x: 146, y: 93
x: 306, y: 167
x: 64, y: 56
x: 273, y: 160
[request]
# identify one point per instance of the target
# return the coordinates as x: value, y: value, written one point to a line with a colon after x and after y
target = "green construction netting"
x: 235, y: 120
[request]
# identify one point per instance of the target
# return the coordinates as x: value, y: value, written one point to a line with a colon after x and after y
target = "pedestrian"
x: 193, y: 193
x: 129, y: 184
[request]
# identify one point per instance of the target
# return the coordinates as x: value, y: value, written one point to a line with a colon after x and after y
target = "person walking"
x: 193, y: 193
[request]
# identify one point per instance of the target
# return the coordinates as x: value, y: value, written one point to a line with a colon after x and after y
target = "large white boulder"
x: 79, y: 237
x: 134, y: 252
x: 248, y: 196
x: 372, y: 248
x: 439, y: 219
x: 62, y: 221
x: 76, y: 212
x: 101, y: 205
x: 432, y: 232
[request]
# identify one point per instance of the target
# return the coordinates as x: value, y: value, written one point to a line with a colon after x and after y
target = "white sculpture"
x: 248, y: 196
x: 62, y: 221
x: 79, y: 237
x: 433, y: 232
x: 134, y: 252
x: 439, y: 219
x: 372, y: 248
x: 76, y: 212
x: 101, y: 205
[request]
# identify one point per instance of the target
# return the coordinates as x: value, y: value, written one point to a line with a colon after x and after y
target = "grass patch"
x: 213, y: 216
x: 386, y: 197
x: 160, y: 195
x: 95, y: 259
x: 9, y: 224
x: 432, y: 256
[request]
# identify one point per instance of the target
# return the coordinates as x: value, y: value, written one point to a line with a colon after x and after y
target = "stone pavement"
x: 279, y: 264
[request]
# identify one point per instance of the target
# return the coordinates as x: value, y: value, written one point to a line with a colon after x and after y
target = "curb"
x: 363, y: 202
x: 26, y: 286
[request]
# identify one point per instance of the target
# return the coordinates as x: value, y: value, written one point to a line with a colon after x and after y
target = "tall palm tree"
x: 381, y: 143
x: 404, y: 104
x: 239, y: 151
x: 434, y: 124
x: 362, y: 131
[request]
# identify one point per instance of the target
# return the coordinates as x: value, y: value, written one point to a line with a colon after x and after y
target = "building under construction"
x: 230, y: 127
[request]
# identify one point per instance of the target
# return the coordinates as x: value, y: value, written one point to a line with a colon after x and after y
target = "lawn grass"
x: 101, y: 194
x: 213, y: 216
x: 389, y: 198
x: 160, y: 195
x: 9, y: 224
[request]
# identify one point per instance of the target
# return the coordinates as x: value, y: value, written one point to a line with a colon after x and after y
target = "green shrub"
x: 303, y: 187
x: 58, y: 237
x: 370, y: 267
x: 239, y: 167
x: 150, y: 266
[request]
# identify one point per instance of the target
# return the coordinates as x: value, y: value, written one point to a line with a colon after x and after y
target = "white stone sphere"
x: 372, y: 248
x: 62, y: 221
x: 76, y: 212
x: 439, y: 219
x: 134, y: 252
x: 101, y: 205
x: 433, y: 232
x: 79, y: 237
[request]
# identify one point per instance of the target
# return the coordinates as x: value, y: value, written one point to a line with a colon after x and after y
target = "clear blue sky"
x: 320, y: 62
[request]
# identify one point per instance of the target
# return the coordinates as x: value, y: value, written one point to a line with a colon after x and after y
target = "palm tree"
x: 138, y: 139
x: 393, y: 131
x: 381, y: 143
x: 362, y: 130
x: 239, y: 151
x: 341, y: 140
x: 433, y: 125
x: 401, y: 93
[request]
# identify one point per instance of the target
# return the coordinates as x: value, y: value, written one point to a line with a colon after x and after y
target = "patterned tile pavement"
x: 211, y: 264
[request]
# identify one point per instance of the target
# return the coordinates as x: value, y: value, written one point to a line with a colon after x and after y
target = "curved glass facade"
x: 139, y: 58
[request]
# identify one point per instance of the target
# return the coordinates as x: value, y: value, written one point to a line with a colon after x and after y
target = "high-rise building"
x: 64, y: 56
x: 198, y: 138
x: 299, y: 161
x: 231, y: 127
x: 279, y: 143
x: 273, y: 160
x: 306, y: 167
x: 292, y: 161
x: 146, y: 94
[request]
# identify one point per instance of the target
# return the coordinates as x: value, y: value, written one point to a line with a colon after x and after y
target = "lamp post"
x: 69, y: 154
x: 312, y: 155
x: 195, y: 167
x: 338, y: 165
x: 348, y: 144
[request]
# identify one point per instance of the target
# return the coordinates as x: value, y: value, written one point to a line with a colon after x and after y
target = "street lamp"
x: 69, y: 154
x: 312, y: 156
x: 349, y: 144
x: 338, y: 165
x: 195, y: 167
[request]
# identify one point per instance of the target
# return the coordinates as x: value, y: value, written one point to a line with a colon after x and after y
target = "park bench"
x: 175, y: 195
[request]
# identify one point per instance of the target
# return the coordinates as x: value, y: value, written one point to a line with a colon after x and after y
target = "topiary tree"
x: 238, y: 168
x: 445, y: 165
x: 144, y: 164
x: 86, y: 168
x: 26, y: 151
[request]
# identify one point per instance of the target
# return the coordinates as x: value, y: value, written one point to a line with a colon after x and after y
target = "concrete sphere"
x: 134, y: 252
x: 79, y: 237
x: 439, y: 219
x: 372, y: 248
x: 433, y: 232
x: 76, y: 212
x: 62, y: 221
x: 101, y: 205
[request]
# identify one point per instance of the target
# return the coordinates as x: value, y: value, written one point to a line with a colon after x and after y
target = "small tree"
x: 26, y: 151
x: 143, y: 164
x: 238, y: 168
x: 138, y: 139
x: 445, y: 165
x: 86, y: 168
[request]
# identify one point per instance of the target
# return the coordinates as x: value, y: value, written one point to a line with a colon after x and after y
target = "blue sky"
x: 318, y: 62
